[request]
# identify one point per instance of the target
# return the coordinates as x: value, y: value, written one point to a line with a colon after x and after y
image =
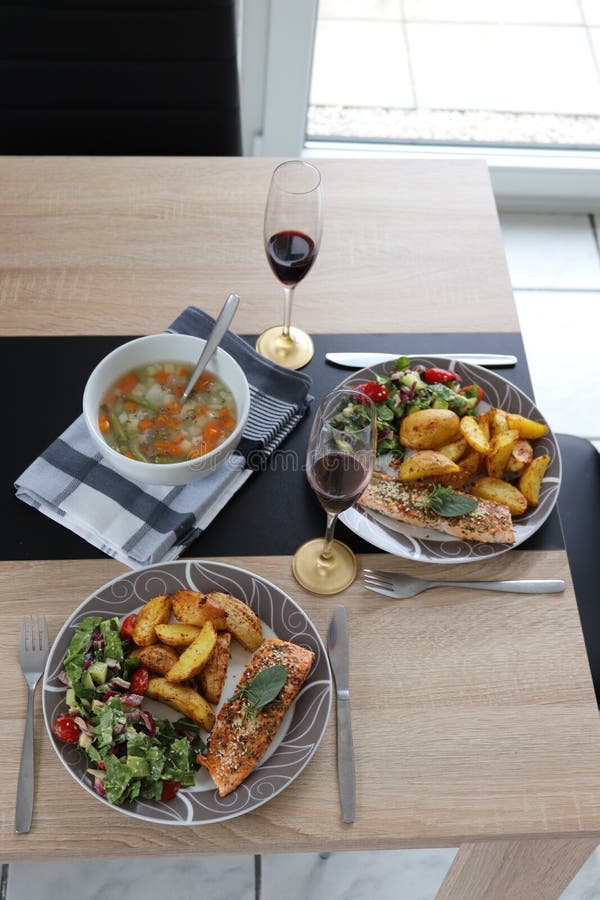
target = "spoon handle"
x: 219, y: 328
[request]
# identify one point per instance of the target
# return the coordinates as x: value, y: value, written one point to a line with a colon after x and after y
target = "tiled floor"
x: 554, y: 264
x: 537, y: 65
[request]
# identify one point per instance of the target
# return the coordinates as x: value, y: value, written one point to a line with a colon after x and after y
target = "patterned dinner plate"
x: 299, y: 734
x: 427, y: 545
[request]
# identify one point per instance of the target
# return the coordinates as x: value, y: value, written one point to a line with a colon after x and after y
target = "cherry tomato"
x: 66, y: 728
x: 139, y: 681
x: 127, y: 626
x: 169, y: 789
x: 440, y: 376
x: 361, y: 388
x: 472, y: 390
x: 377, y: 392
x: 380, y: 393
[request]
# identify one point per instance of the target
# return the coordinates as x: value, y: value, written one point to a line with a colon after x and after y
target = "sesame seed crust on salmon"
x: 489, y: 522
x: 237, y: 742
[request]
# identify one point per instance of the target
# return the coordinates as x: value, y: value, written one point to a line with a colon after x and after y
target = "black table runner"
x: 273, y: 513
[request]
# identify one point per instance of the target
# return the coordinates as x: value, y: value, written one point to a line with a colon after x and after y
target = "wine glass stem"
x: 327, y: 550
x: 288, y: 291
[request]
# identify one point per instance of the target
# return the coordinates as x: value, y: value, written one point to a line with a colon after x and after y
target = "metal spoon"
x: 214, y: 339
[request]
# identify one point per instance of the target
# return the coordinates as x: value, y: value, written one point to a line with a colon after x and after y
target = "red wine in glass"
x: 339, y: 465
x: 290, y: 254
x: 291, y: 235
x: 338, y: 480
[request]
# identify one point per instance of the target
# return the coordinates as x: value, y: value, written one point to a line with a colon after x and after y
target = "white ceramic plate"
x: 425, y: 545
x: 299, y: 734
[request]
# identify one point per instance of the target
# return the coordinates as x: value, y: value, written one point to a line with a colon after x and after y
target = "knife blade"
x: 364, y: 360
x: 338, y: 650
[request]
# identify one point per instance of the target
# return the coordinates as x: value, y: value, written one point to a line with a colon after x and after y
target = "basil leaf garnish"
x: 444, y: 502
x: 262, y: 689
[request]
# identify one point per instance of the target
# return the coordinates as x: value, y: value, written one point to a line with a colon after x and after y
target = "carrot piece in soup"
x: 211, y: 432
x: 203, y: 382
x: 127, y: 383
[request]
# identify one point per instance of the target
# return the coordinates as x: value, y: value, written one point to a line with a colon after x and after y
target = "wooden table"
x: 474, y: 716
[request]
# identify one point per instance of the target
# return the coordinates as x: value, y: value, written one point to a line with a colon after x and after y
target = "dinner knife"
x: 338, y: 649
x: 364, y: 360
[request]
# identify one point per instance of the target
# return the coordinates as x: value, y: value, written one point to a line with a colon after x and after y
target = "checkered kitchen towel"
x: 140, y: 524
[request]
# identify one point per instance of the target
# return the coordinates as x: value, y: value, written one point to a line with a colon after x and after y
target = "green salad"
x: 404, y: 391
x: 131, y: 753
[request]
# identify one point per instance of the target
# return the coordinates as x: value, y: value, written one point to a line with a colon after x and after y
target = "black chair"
x: 579, y: 507
x: 119, y: 77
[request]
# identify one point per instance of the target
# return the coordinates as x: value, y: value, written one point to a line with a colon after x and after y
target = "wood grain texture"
x: 122, y: 245
x: 514, y: 870
x: 473, y: 716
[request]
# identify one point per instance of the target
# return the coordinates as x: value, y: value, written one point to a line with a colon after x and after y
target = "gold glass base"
x: 324, y: 576
x: 293, y: 352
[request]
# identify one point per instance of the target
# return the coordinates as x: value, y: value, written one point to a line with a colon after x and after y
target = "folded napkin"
x: 140, y: 524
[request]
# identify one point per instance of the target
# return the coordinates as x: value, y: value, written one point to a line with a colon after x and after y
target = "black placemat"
x: 272, y: 514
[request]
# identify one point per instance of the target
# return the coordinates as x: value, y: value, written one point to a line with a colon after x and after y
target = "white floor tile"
x: 517, y: 68
x: 217, y: 877
x: 387, y: 875
x: 550, y: 251
x: 560, y: 334
x: 360, y: 9
x: 586, y: 884
x: 546, y: 12
x: 591, y: 11
x: 360, y: 64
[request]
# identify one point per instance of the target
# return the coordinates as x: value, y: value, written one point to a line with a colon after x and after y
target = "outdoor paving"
x: 490, y: 71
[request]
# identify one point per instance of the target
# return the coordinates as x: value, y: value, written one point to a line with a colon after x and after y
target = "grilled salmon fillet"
x: 237, y: 742
x: 488, y: 522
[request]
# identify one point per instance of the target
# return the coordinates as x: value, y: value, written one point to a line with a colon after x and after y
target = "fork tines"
x: 379, y: 582
x: 34, y: 633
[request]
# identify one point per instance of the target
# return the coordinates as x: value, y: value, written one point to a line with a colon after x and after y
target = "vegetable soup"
x: 142, y: 416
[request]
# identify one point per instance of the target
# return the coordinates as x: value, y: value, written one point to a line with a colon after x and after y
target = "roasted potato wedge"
x: 521, y: 456
x: 501, y: 447
x: 499, y: 491
x: 156, y: 658
x: 155, y: 612
x: 184, y: 699
x: 474, y: 435
x: 527, y: 428
x: 483, y: 421
x: 498, y: 421
x: 425, y: 464
x: 176, y: 634
x: 530, y: 481
x: 212, y: 677
x: 194, y: 608
x: 242, y: 622
x: 195, y: 656
x: 455, y: 450
x: 428, y: 429
x: 467, y: 468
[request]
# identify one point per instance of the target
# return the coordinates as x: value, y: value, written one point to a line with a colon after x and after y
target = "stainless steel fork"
x: 33, y: 653
x: 400, y: 587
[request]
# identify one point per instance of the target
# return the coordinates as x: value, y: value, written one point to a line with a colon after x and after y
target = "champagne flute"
x: 339, y: 464
x: 292, y: 236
